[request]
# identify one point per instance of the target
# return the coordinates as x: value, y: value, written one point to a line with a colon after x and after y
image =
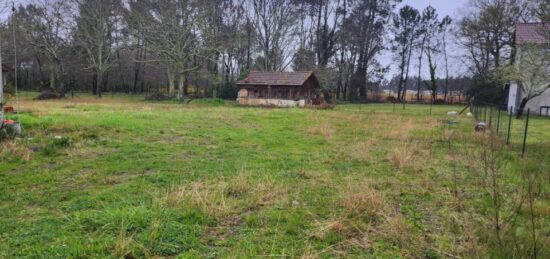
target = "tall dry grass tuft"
x: 360, y: 198
x: 123, y: 245
x: 324, y: 129
x: 401, y: 156
x: 223, y: 199
x: 14, y: 149
x: 362, y: 149
x: 394, y: 229
x: 401, y: 130
x: 238, y: 186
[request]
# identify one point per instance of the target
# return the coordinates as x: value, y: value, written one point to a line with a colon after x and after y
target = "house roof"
x: 531, y: 33
x: 277, y: 78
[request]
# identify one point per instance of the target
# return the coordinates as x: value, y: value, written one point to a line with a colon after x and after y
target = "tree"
x: 175, y: 32
x: 94, y: 34
x: 428, y: 16
x: 532, y: 72
x: 433, y: 47
x: 365, y: 28
x: 405, y: 29
x: 274, y: 23
x: 445, y: 24
x: 487, y: 33
x: 46, y: 28
x: 304, y: 59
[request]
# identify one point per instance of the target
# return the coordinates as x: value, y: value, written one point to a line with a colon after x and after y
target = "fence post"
x: 509, y: 124
x: 490, y: 116
x: 525, y: 133
x: 498, y: 123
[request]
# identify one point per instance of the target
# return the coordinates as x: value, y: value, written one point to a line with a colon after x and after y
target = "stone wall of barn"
x: 271, y: 102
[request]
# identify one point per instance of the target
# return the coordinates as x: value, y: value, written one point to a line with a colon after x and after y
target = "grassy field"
x: 120, y: 177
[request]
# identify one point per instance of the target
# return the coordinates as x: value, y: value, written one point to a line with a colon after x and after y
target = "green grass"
x: 124, y: 177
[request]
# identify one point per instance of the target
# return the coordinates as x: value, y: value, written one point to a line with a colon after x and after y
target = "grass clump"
x: 361, y: 199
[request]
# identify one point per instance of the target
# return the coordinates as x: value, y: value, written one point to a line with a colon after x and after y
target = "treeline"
x: 196, y: 47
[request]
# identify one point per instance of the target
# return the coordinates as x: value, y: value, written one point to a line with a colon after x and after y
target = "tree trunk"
x: 420, y: 68
x: 98, y: 84
x: 521, y: 107
x: 181, y: 85
x: 52, y: 79
x: 186, y: 87
x: 171, y: 82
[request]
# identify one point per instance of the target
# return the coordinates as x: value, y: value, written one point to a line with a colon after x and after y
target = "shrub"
x: 439, y: 101
x: 49, y: 94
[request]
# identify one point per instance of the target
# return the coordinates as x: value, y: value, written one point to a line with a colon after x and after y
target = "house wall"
x: 535, y: 103
x: 515, y: 94
x: 513, y: 97
x: 271, y: 102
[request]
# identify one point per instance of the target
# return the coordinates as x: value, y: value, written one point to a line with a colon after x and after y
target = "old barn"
x: 282, y: 89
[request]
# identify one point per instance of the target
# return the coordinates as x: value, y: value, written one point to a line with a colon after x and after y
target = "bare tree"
x: 487, y: 33
x: 94, y: 34
x: 174, y: 31
x: 274, y: 22
x: 46, y: 27
x: 445, y: 27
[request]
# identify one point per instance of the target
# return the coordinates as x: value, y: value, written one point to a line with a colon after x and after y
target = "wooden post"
x: 525, y: 133
x: 290, y: 94
x: 509, y: 124
x: 1, y: 91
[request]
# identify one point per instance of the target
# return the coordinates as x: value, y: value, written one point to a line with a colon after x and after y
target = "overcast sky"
x: 444, y: 7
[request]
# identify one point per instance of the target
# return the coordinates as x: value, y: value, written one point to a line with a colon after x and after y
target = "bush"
x: 229, y: 91
x: 49, y: 94
x: 209, y: 101
x: 51, y: 148
x: 157, y: 97
x: 391, y: 99
x: 439, y: 101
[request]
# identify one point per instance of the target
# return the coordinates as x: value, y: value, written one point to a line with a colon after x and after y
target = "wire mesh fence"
x: 502, y: 122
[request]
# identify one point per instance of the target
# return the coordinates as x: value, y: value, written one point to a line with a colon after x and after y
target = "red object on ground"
x: 9, y: 109
x: 9, y: 122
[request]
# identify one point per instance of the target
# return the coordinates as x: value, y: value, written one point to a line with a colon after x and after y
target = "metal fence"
x: 502, y: 123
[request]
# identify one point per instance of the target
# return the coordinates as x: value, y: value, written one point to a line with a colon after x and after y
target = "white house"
x: 528, y: 34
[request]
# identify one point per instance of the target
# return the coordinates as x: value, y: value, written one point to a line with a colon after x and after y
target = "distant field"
x: 122, y: 177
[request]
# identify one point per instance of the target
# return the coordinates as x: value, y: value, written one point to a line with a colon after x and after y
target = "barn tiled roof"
x: 276, y: 78
x: 531, y: 33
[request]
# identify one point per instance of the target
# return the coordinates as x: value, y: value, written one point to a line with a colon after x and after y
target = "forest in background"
x: 184, y: 48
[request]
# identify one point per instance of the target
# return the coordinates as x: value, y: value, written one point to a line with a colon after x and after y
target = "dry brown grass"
x: 223, y: 199
x: 360, y: 198
x: 362, y: 149
x: 396, y: 229
x: 401, y: 156
x: 400, y: 130
x: 325, y: 129
x: 10, y: 149
x: 123, y: 244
